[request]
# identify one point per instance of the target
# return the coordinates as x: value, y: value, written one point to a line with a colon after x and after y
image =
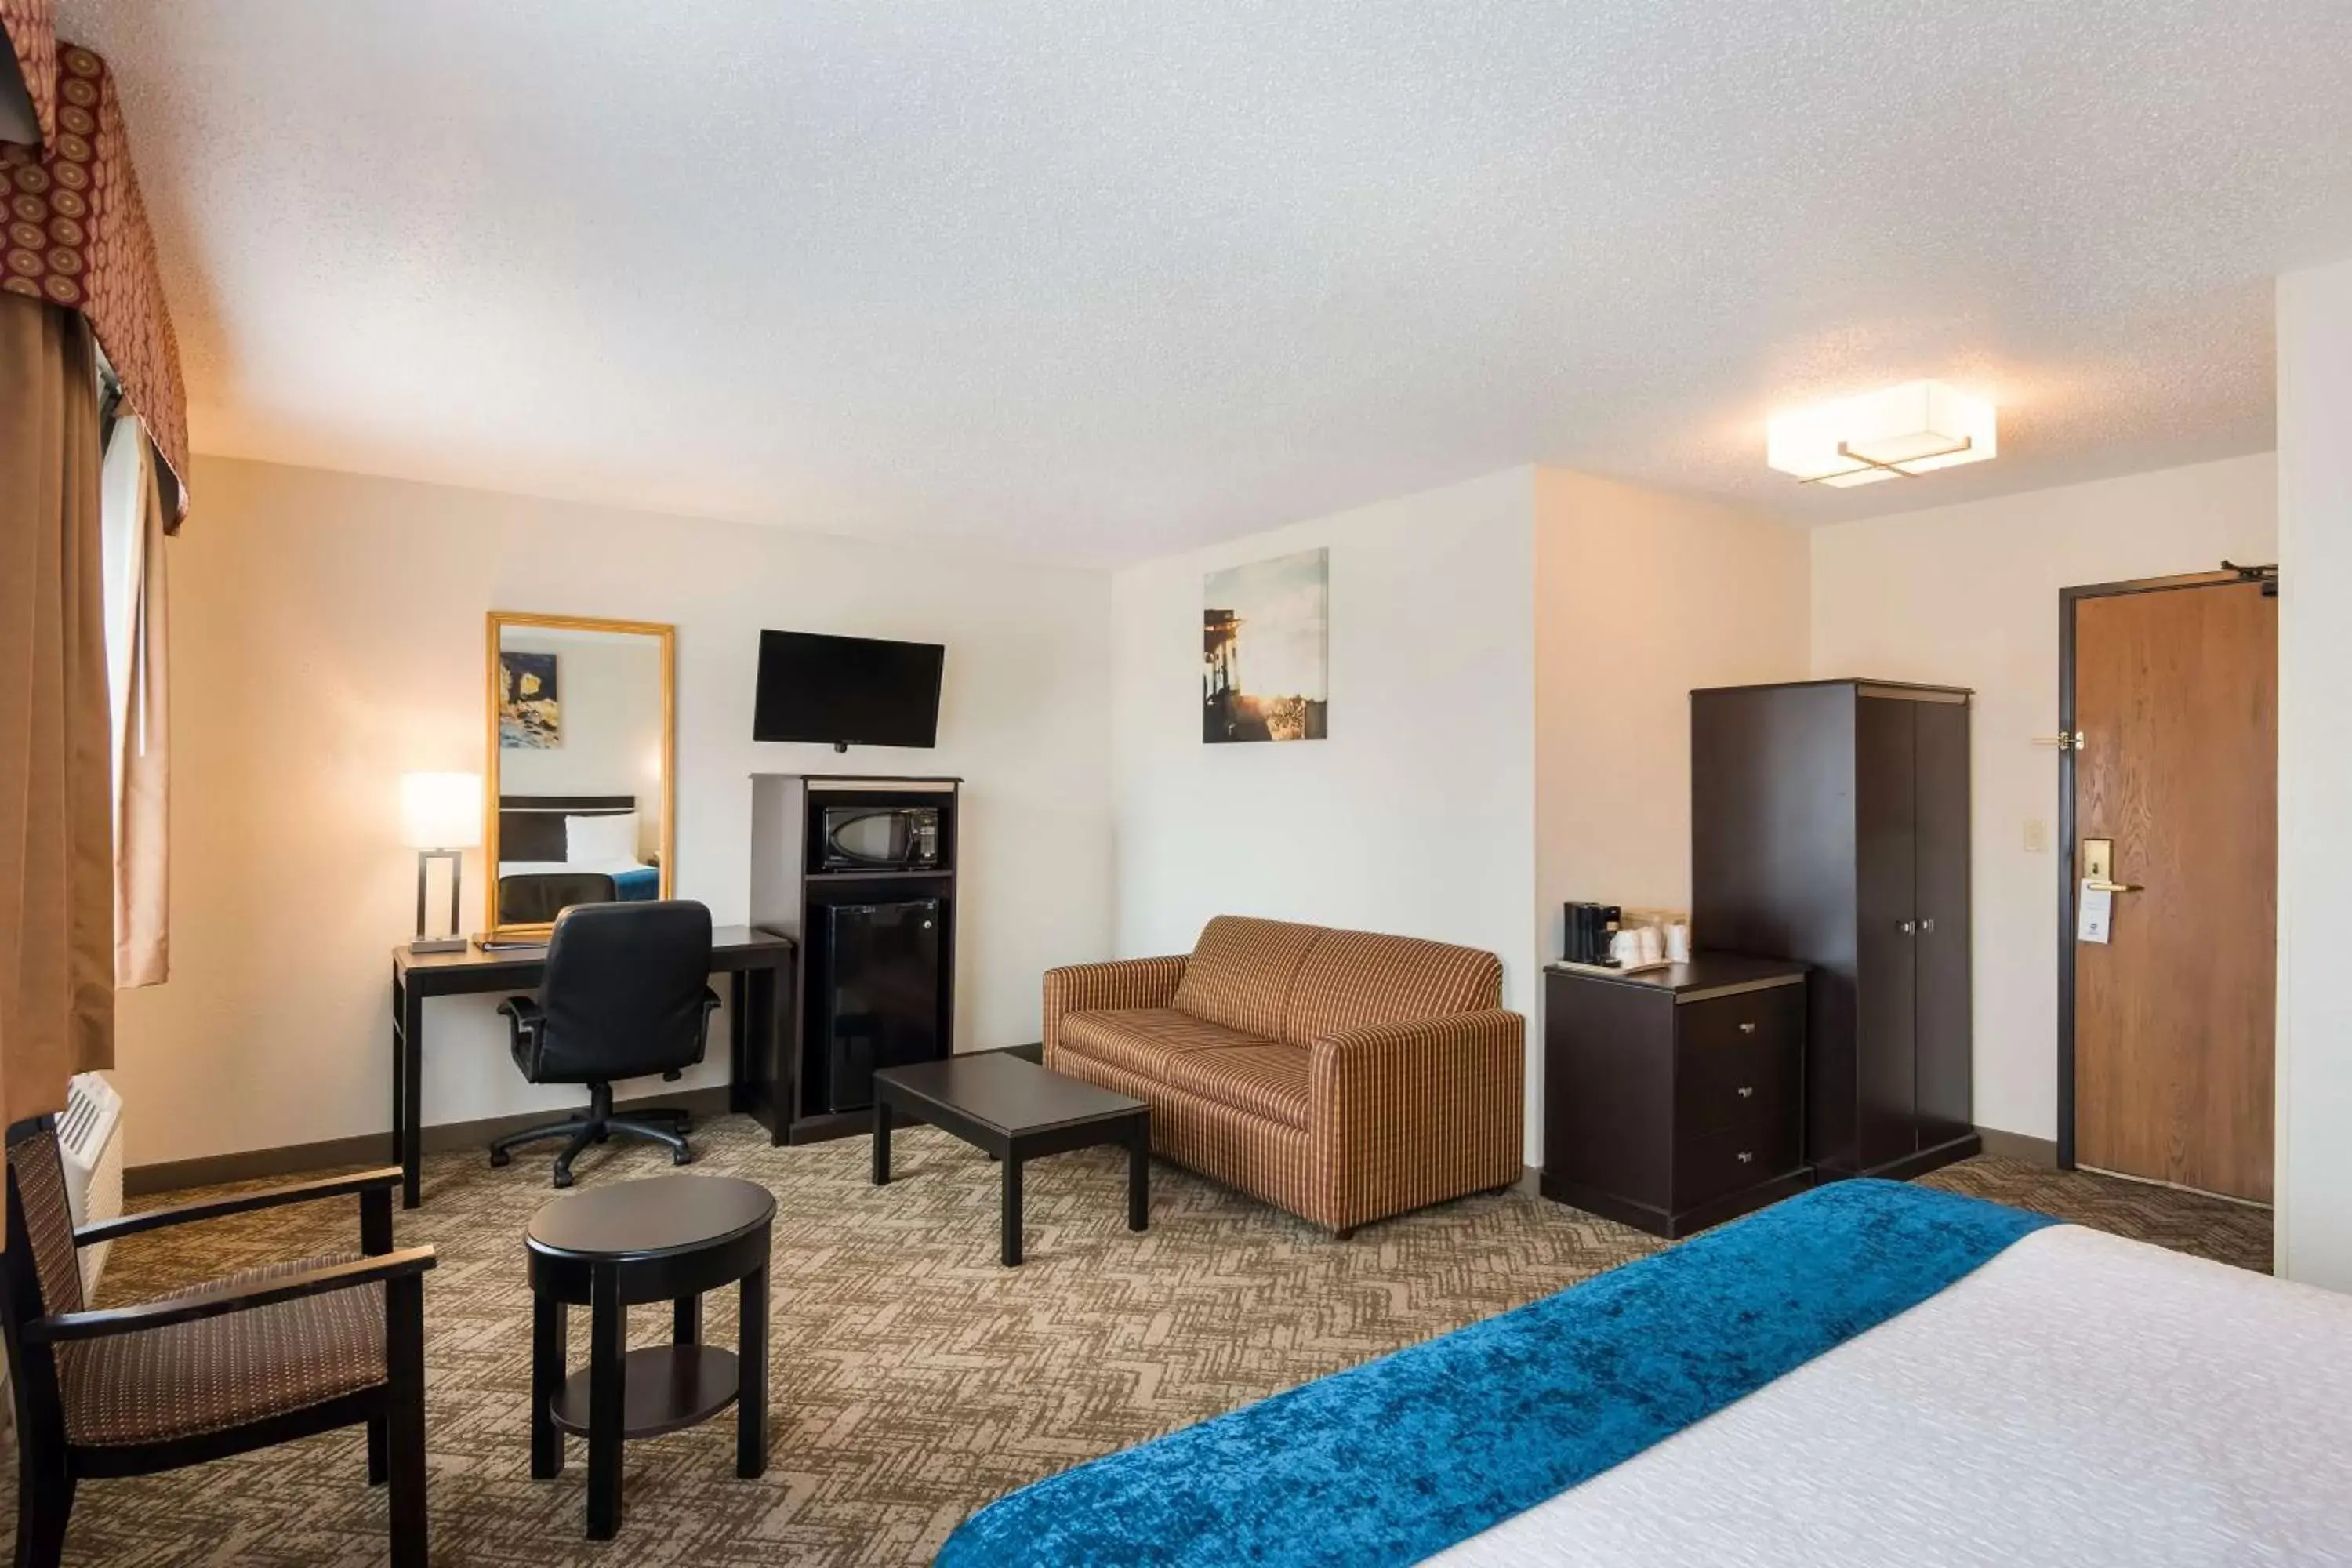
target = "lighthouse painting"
x: 1264, y: 645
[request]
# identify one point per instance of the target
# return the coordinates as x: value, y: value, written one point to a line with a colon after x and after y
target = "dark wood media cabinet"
x: 847, y: 1023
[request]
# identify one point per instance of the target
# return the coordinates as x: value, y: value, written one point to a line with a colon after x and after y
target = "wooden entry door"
x: 2176, y: 704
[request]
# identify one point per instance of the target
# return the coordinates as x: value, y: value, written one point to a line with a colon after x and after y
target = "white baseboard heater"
x: 89, y: 1136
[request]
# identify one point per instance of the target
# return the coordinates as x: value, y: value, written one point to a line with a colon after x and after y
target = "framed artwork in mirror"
x: 581, y: 787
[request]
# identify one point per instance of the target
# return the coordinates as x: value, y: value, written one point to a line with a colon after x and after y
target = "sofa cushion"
x: 1144, y: 1039
x: 1352, y: 978
x: 1240, y: 972
x: 1268, y: 1080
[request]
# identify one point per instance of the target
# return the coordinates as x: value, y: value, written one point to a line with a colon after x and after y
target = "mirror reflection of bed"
x: 556, y: 850
x: 579, y: 716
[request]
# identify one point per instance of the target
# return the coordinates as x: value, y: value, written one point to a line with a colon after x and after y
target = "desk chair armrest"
x: 702, y: 1037
x: 360, y: 1182
x: 64, y: 1327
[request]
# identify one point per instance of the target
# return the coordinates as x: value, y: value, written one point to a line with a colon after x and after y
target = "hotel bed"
x: 1869, y: 1373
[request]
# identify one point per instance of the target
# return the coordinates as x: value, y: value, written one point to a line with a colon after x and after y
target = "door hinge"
x: 2072, y: 742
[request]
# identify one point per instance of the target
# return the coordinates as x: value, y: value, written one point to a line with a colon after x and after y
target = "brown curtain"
x: 138, y: 640
x: 56, y: 875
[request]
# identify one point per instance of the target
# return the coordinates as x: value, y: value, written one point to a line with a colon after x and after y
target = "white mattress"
x: 2080, y: 1399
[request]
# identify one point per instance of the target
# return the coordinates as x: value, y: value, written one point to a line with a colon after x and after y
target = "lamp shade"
x: 441, y: 811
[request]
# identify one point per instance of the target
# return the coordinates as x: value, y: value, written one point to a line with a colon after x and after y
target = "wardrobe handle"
x: 1928, y: 924
x: 1747, y: 1028
x: 1746, y: 1158
x: 1747, y: 1091
x: 1910, y: 926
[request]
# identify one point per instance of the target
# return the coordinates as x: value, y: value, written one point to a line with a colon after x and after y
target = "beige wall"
x: 328, y: 635
x: 2314, y: 1233
x: 1416, y: 815
x: 1967, y: 596
x: 1641, y: 597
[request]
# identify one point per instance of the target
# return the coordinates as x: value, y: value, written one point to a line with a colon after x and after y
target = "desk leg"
x: 751, y: 1391
x: 1139, y: 1176
x: 547, y: 1352
x: 881, y: 1141
x: 739, y: 1054
x: 1012, y: 1220
x: 408, y: 1093
x: 608, y: 1324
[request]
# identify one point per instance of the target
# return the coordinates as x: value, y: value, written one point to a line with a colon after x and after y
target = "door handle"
x: 2101, y: 885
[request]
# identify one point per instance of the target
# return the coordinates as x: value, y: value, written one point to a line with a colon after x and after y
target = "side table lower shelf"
x: 666, y: 1388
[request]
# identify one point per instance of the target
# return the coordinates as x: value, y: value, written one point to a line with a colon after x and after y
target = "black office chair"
x: 627, y: 996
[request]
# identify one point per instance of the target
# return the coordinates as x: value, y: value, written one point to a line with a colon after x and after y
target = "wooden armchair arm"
x: 64, y: 1327
x: 360, y: 1182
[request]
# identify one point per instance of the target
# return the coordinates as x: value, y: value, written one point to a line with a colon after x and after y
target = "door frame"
x: 2067, y: 599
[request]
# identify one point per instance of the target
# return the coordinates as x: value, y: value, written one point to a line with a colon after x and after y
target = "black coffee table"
x: 668, y: 1238
x: 1016, y: 1111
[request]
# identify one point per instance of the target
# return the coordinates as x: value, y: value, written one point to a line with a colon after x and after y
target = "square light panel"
x: 1901, y: 432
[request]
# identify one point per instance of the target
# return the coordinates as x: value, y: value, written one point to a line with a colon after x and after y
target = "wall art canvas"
x: 531, y: 713
x: 1265, y: 649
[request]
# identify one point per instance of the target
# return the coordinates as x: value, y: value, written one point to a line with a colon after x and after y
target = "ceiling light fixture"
x: 1899, y: 433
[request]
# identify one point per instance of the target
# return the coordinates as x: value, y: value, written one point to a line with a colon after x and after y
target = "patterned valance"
x: 77, y: 231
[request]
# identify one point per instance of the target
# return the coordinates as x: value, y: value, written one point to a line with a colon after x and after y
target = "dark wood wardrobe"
x: 1830, y: 824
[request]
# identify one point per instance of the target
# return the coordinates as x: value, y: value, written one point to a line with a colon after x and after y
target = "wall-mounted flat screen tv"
x: 848, y: 691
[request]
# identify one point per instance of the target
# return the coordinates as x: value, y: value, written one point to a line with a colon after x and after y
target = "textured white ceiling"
x: 1092, y: 280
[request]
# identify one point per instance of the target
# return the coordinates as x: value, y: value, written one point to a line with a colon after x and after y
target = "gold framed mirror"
x: 580, y: 800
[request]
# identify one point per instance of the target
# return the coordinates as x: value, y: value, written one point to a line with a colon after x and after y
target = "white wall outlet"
x: 2037, y: 836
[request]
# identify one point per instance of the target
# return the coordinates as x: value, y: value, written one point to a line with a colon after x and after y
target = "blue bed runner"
x: 1399, y: 1458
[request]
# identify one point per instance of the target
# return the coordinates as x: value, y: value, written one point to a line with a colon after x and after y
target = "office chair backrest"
x: 624, y: 987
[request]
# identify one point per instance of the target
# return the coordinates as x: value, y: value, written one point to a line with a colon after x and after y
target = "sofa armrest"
x: 1399, y: 1115
x: 1089, y: 987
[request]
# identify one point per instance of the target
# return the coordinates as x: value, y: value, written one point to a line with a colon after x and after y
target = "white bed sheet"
x: 544, y: 867
x: 2081, y: 1399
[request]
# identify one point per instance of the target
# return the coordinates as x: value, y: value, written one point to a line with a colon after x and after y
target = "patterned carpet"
x: 913, y: 1379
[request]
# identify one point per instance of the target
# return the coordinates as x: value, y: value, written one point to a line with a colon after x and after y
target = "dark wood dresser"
x: 1673, y: 1098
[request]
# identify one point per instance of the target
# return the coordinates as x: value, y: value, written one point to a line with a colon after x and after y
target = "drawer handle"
x: 1747, y: 1091
x: 1746, y: 1028
x: 1746, y: 1158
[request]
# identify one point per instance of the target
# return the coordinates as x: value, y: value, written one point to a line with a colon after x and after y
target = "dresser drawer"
x: 1719, y: 1162
x: 1738, y: 1061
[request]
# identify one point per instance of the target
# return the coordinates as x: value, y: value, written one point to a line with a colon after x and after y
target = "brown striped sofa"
x: 1339, y: 1075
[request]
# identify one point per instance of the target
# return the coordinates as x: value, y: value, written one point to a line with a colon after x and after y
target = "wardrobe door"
x: 1941, y: 860
x: 1885, y: 774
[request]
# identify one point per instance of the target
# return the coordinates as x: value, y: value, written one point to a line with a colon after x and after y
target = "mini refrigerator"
x: 879, y: 994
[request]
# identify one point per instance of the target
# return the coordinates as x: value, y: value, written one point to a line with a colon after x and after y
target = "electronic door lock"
x: 2099, y: 868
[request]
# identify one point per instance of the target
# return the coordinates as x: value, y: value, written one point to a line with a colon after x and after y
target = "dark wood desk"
x: 759, y: 1017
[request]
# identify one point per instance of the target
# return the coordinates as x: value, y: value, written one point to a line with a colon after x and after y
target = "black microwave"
x: 880, y: 838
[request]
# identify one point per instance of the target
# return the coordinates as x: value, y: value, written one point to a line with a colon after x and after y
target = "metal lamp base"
x: 456, y: 941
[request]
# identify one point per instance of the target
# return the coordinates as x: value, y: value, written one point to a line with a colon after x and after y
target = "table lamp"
x: 441, y: 817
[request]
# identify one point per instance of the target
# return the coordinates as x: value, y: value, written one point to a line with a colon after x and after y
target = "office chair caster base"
x: 500, y: 1159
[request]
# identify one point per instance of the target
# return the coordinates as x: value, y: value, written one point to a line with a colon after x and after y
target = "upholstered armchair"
x: 241, y: 1362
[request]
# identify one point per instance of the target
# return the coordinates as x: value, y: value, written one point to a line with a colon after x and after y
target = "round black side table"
x: 668, y: 1238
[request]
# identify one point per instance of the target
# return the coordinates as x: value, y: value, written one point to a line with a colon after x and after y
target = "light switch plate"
x: 2037, y: 836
